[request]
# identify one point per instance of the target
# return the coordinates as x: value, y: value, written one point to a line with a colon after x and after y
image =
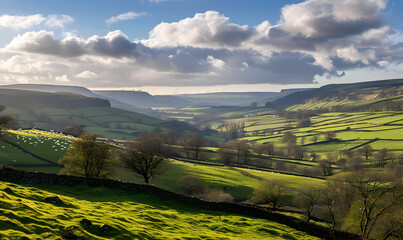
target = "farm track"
x: 246, y: 173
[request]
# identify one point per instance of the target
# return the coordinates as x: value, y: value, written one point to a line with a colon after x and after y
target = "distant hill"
x: 228, y: 98
x: 141, y: 99
x: 30, y: 100
x: 52, y: 89
x: 344, y: 93
x: 282, y: 93
x: 62, y: 110
x: 71, y: 89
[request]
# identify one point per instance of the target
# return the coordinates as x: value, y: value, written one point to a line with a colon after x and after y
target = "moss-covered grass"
x: 133, y: 216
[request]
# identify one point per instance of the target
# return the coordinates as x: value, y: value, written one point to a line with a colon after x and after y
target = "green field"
x: 133, y: 216
x: 229, y: 180
x: 106, y: 121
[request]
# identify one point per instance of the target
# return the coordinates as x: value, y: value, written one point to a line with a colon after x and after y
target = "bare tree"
x: 225, y: 153
x: 326, y: 167
x: 377, y: 195
x: 270, y: 148
x: 145, y: 158
x: 330, y: 136
x: 338, y: 198
x: 168, y: 137
x: 259, y: 149
x: 6, y: 121
x: 192, y: 144
x: 380, y: 157
x: 366, y: 151
x: 307, y: 200
x: 241, y: 148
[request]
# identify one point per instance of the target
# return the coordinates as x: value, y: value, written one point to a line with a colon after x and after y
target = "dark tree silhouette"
x: 146, y: 158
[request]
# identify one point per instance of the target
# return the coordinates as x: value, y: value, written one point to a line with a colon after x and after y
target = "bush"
x: 190, y: 185
x: 217, y: 195
x: 270, y: 192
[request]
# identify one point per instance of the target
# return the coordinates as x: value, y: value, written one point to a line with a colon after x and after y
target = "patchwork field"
x: 133, y: 216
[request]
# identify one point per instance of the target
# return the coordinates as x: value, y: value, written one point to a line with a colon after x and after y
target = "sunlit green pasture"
x: 231, y: 181
x: 133, y: 216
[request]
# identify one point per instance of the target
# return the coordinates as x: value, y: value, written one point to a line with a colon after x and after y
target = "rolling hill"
x: 141, y: 99
x: 228, y: 98
x: 344, y: 94
x: 30, y: 100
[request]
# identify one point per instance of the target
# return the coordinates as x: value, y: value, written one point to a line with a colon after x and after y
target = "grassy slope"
x: 231, y: 181
x: 44, y: 144
x: 136, y: 216
x: 102, y: 120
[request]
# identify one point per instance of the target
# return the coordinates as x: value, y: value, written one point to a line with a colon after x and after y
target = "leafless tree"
x: 377, y: 195
x: 338, y: 198
x: 6, y: 121
x: 325, y: 167
x: 225, y: 153
x: 192, y: 145
x: 307, y: 200
x: 380, y: 157
x: 146, y: 158
x: 259, y: 149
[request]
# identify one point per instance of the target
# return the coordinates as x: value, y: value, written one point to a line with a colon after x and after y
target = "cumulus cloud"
x: 87, y: 74
x: 62, y: 79
x: 21, y: 22
x: 207, y: 30
x: 313, y: 38
x: 123, y: 17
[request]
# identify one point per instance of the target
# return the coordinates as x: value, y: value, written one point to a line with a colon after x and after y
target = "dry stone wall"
x: 17, y: 176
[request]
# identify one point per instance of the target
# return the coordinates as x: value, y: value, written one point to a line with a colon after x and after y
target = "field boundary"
x: 23, y: 177
x: 32, y: 154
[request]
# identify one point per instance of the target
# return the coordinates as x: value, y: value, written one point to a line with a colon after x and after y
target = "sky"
x: 194, y: 46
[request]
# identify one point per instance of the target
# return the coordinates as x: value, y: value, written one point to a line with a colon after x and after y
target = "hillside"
x: 344, y: 94
x: 25, y: 215
x: 52, y: 89
x: 61, y: 111
x: 30, y: 100
x: 141, y: 99
x: 228, y: 98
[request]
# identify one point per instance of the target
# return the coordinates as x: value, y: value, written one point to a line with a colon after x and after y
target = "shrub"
x: 190, y: 185
x: 270, y: 192
x: 217, y: 195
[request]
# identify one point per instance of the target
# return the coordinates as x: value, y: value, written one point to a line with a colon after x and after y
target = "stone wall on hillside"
x: 23, y: 177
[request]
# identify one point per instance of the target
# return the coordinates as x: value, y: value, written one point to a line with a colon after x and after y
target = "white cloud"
x: 209, y: 49
x: 21, y: 22
x: 210, y: 29
x: 62, y: 79
x: 399, y: 68
x: 383, y: 63
x: 218, y: 63
x: 55, y: 20
x: 123, y: 17
x: 87, y: 74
